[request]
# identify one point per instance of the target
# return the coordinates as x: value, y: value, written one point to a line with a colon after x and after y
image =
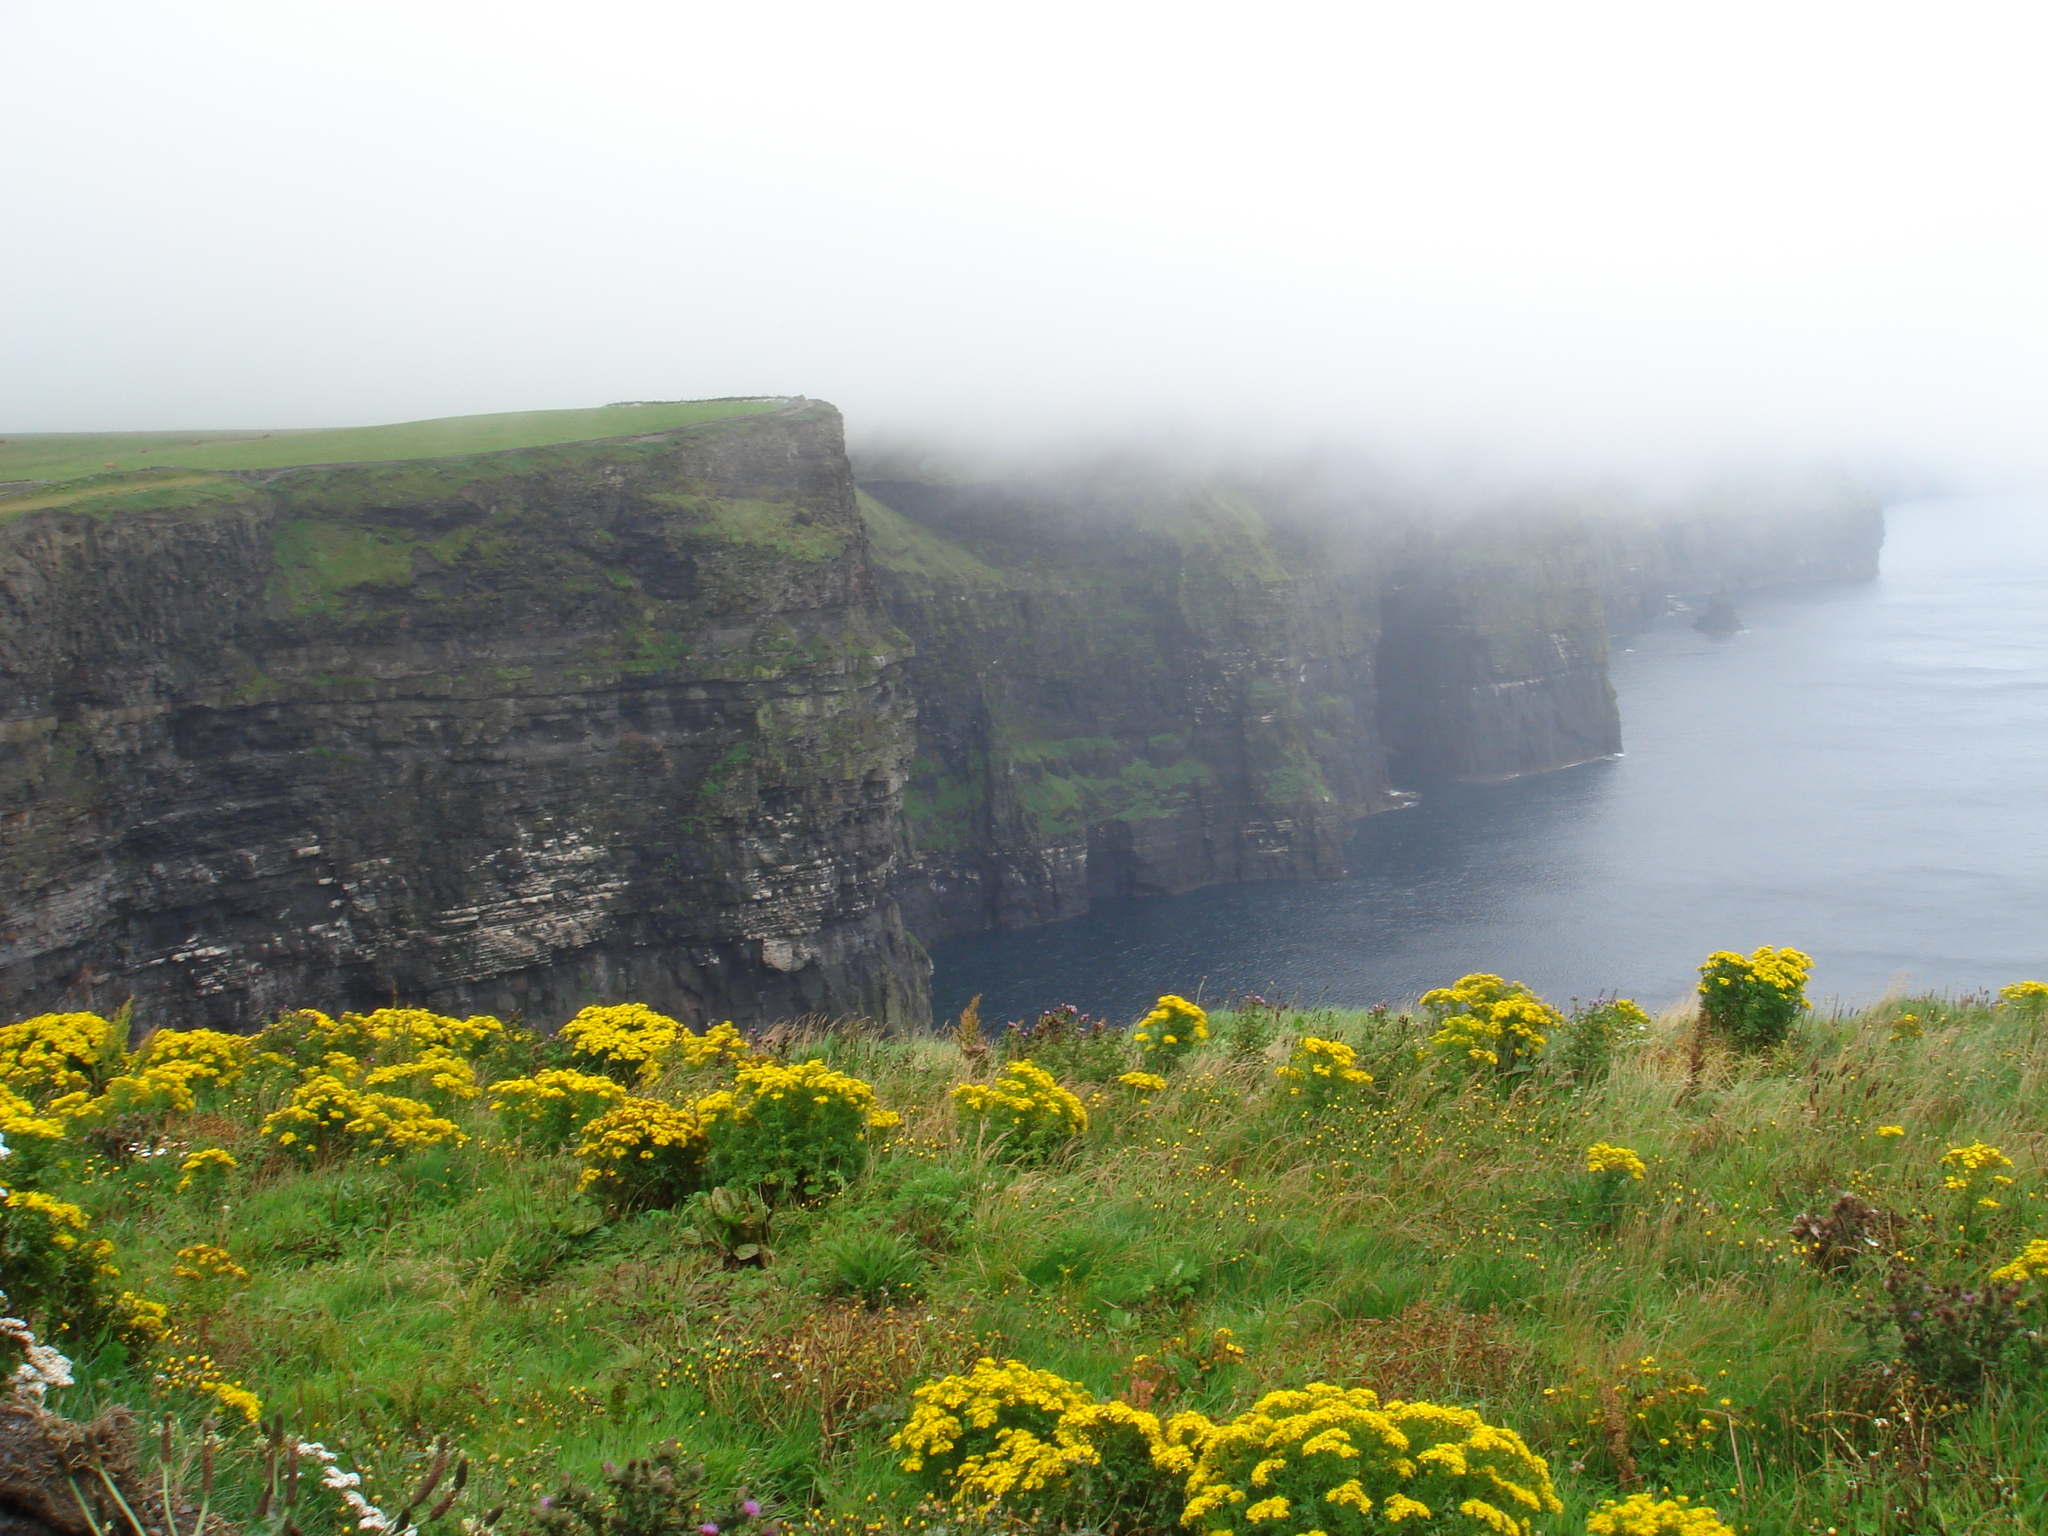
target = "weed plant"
x: 1789, y: 1314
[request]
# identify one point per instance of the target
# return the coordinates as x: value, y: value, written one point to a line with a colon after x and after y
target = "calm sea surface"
x: 1862, y: 774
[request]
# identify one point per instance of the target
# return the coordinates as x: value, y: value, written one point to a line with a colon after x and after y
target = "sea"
x: 1860, y: 773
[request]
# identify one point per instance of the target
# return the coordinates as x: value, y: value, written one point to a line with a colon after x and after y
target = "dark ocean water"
x: 1862, y: 774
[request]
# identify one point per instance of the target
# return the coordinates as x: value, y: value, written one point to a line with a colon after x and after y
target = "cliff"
x: 1134, y: 685
x: 512, y: 731
x: 654, y: 702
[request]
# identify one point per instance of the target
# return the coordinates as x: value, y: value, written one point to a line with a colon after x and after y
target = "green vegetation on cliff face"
x: 71, y: 455
x: 1759, y: 1280
x: 461, y: 720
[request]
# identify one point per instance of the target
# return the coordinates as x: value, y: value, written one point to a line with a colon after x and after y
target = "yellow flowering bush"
x: 329, y: 1115
x: 55, y: 1054
x: 437, y: 1075
x: 550, y: 1107
x: 643, y: 1154
x: 1619, y: 1162
x: 628, y: 1041
x: 1143, y: 1082
x: 720, y: 1048
x: 22, y: 1129
x: 57, y: 1272
x: 1485, y: 1025
x: 211, y: 1056
x: 134, y: 1101
x: 1174, y: 1027
x: 1319, y: 1073
x: 792, y: 1132
x: 1337, y: 1460
x: 2025, y: 997
x: 1006, y: 1436
x: 2032, y: 1264
x: 1032, y: 1115
x: 1641, y: 1515
x: 307, y: 1036
x: 1753, y: 999
x: 204, y: 1169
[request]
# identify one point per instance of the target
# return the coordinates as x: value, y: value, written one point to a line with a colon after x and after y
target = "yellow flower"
x: 1604, y: 1157
x: 1891, y: 1130
x: 1025, y: 1107
x: 1641, y: 1515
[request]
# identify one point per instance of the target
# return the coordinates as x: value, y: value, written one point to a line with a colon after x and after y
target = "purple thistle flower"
x: 708, y: 1529
x: 752, y: 1508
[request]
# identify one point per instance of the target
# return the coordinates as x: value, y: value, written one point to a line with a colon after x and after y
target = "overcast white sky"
x: 1587, y: 234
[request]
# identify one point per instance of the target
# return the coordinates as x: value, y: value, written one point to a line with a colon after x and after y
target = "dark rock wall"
x: 1118, y: 695
x: 511, y: 733
x: 687, y: 719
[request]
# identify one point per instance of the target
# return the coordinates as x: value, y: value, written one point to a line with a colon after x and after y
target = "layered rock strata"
x: 514, y: 732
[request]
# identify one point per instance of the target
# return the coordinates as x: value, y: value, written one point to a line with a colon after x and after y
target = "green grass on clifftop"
x: 1425, y: 1236
x: 70, y: 455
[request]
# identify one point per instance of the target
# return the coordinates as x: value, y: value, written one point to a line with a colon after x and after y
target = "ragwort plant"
x: 1006, y: 1437
x: 795, y: 1132
x: 1024, y: 1110
x: 1167, y: 1034
x: 1752, y: 1000
x: 1338, y: 1460
x: 1319, y: 1073
x: 1487, y: 1027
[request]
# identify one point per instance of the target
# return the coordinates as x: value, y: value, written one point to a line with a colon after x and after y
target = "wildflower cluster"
x: 1641, y: 1515
x: 65, y: 1274
x: 1487, y: 1025
x: 1006, y: 1436
x: 201, y: 1374
x: 793, y: 1132
x: 1337, y: 1460
x: 1319, y: 1073
x: 1751, y: 1000
x: 629, y: 1041
x: 326, y: 1114
x: 1606, y: 1158
x: 58, y: 1053
x: 1143, y: 1082
x: 645, y: 1153
x: 2032, y: 1264
x: 1174, y: 1027
x: 2025, y: 997
x: 550, y: 1107
x: 1033, y: 1115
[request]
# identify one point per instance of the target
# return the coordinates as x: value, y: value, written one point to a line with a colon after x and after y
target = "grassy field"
x: 72, y: 455
x: 1433, y: 1234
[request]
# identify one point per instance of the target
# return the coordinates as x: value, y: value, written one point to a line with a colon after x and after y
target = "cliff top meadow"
x: 1480, y: 1265
x: 55, y: 456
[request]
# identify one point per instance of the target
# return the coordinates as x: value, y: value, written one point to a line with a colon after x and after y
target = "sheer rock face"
x: 514, y: 732
x: 688, y: 719
x: 1136, y: 689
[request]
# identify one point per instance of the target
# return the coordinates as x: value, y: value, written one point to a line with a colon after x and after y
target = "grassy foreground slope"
x: 71, y: 455
x: 1421, y: 1235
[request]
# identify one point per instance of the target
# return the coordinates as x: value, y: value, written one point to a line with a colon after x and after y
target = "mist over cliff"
x: 703, y: 714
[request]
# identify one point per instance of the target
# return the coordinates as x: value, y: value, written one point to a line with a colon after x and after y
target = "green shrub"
x: 1596, y: 1034
x: 878, y: 1268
